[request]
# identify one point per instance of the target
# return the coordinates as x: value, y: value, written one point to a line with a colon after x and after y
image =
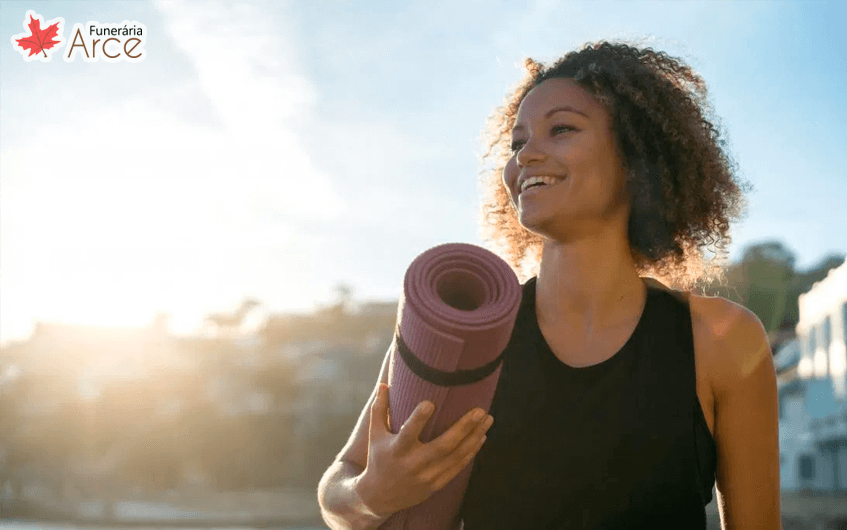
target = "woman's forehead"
x: 557, y: 93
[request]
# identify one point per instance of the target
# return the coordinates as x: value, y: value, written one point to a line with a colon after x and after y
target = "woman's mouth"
x: 537, y: 188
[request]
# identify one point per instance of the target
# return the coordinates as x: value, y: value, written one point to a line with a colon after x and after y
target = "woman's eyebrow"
x: 553, y: 111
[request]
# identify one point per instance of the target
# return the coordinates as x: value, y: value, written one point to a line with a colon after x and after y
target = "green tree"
x: 767, y: 272
x: 767, y: 282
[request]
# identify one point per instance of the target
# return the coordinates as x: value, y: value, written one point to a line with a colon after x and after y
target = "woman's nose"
x: 528, y: 153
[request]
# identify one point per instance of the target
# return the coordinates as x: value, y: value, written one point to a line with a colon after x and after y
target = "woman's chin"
x: 544, y: 224
x: 534, y: 216
x: 535, y: 222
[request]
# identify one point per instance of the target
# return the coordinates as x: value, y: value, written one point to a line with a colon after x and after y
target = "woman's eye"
x: 517, y: 144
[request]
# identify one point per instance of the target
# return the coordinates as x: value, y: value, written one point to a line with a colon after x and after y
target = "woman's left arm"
x: 746, y: 420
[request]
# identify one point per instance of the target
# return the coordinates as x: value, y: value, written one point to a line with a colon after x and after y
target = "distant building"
x: 812, y: 380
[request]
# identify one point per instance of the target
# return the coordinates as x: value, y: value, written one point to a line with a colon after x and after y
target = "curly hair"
x: 681, y: 180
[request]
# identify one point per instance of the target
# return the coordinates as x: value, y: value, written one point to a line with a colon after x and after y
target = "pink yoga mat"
x: 454, y: 320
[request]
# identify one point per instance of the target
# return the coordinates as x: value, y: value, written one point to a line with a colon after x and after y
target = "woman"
x: 621, y: 401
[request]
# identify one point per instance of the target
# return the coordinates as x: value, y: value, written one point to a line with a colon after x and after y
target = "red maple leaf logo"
x: 40, y: 39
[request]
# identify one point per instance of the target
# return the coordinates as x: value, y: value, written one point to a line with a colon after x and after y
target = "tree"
x: 767, y: 271
x: 344, y: 293
x: 229, y: 322
x: 766, y: 281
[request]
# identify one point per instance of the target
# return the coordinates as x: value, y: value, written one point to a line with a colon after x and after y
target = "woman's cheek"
x: 509, y: 176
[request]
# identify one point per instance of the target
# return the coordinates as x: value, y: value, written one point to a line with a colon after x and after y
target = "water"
x: 9, y: 524
x: 138, y: 512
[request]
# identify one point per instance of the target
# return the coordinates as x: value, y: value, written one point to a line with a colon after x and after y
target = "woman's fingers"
x: 449, y: 452
x: 449, y: 441
x: 456, y: 467
x: 379, y: 414
x: 409, y: 435
x: 441, y: 463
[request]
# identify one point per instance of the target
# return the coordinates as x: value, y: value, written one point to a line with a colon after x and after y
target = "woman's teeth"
x: 534, y: 182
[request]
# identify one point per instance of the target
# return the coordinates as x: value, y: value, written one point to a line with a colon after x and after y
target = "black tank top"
x: 619, y: 444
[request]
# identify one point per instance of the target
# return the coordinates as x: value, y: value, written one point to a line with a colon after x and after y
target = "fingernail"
x: 427, y: 406
x: 477, y: 414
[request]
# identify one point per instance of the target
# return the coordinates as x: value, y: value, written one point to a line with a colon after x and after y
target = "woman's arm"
x: 341, y: 505
x: 340, y: 502
x: 746, y: 428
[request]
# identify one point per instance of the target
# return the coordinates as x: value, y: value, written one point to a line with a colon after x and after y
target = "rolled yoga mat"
x: 454, y: 320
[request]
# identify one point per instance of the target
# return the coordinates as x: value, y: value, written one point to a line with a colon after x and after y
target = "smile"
x: 530, y: 187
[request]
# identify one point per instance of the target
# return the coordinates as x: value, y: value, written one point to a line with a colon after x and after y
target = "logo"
x: 40, y: 39
x: 116, y: 42
x: 92, y: 42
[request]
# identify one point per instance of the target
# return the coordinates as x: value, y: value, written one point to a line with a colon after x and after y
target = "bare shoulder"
x: 730, y: 338
x: 746, y: 425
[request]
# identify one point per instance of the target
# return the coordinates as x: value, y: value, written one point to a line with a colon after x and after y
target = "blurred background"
x: 202, y: 251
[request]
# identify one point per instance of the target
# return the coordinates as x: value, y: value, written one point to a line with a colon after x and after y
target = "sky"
x: 272, y: 150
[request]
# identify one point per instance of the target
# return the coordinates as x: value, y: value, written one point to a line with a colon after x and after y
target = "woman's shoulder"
x: 729, y: 338
x: 715, y: 317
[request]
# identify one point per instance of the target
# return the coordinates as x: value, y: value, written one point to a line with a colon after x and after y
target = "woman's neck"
x: 588, y: 284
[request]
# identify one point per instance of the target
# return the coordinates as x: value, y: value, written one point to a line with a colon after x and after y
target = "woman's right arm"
x: 342, y: 506
x: 379, y: 473
x: 341, y: 503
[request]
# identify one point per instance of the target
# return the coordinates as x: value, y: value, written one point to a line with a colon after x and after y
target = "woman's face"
x: 562, y: 131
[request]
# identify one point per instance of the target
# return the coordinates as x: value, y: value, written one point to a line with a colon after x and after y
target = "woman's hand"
x: 401, y: 470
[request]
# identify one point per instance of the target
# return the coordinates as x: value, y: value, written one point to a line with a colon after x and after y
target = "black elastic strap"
x: 439, y: 377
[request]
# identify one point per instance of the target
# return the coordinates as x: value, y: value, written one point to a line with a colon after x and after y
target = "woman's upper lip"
x: 527, y: 177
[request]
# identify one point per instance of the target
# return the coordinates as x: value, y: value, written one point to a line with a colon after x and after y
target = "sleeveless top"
x: 619, y: 444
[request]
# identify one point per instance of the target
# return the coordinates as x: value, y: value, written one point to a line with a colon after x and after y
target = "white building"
x: 813, y: 390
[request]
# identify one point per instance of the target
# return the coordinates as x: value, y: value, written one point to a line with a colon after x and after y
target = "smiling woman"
x: 683, y: 188
x: 621, y: 401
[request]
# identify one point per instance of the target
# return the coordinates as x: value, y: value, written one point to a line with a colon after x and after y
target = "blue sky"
x: 275, y: 149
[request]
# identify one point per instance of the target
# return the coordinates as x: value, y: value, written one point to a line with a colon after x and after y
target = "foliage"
x: 767, y: 272
x: 766, y: 281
